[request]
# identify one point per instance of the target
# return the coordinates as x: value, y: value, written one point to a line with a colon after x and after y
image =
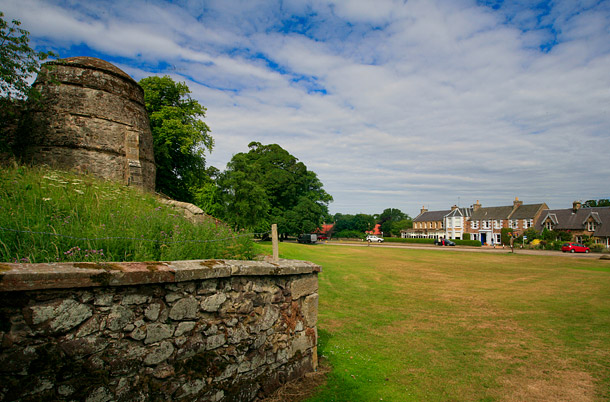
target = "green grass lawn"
x: 431, y: 325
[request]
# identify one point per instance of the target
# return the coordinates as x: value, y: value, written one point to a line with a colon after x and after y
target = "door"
x: 483, y: 238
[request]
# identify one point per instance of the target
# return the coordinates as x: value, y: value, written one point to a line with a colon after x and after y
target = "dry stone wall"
x: 185, y: 331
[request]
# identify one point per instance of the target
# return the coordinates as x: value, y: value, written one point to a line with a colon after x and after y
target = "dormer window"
x: 591, y: 226
x: 548, y: 225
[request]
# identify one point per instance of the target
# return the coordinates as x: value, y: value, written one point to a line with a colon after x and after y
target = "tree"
x: 18, y: 62
x: 358, y: 223
x: 180, y: 137
x: 269, y: 185
x: 388, y: 219
x: 596, y: 203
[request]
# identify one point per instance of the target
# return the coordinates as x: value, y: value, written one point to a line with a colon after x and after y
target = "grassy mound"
x: 51, y: 216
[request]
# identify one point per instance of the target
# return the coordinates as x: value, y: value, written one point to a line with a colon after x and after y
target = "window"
x: 548, y: 225
x: 474, y: 224
x: 591, y: 226
x: 528, y: 223
x: 496, y: 224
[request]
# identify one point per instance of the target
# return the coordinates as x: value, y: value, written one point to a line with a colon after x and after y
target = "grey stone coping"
x: 19, y: 277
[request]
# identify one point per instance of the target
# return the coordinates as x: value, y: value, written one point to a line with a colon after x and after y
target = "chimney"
x: 576, y: 206
x: 476, y: 206
x: 423, y: 209
x: 453, y: 208
x: 517, y: 203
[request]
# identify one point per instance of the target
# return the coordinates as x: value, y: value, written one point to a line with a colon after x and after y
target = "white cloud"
x: 426, y: 101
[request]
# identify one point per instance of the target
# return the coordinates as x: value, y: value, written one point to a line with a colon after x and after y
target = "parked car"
x: 308, y: 238
x: 574, y: 248
x: 444, y: 242
x: 374, y: 238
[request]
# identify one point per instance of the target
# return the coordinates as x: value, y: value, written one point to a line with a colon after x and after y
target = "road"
x: 485, y: 249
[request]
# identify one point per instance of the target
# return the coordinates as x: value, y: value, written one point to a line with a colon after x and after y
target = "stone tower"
x: 91, y: 119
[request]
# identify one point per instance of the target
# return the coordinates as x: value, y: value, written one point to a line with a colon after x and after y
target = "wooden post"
x: 274, y: 243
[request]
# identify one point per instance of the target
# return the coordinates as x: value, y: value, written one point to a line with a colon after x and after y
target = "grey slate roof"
x: 528, y: 211
x: 567, y: 219
x: 430, y: 216
x: 488, y: 213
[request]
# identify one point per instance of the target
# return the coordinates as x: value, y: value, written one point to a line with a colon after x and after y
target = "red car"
x: 574, y: 248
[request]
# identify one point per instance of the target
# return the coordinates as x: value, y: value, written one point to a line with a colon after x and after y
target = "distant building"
x: 481, y: 223
x: 579, y: 222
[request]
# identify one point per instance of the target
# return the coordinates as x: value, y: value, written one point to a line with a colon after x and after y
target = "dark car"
x: 308, y: 238
x: 444, y: 242
x: 574, y: 248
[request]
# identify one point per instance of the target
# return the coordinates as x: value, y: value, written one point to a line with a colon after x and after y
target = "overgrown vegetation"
x: 49, y: 216
x: 415, y: 325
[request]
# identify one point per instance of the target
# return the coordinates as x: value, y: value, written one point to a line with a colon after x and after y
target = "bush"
x: 474, y: 243
x: 409, y: 240
x: 466, y: 236
x: 597, y: 248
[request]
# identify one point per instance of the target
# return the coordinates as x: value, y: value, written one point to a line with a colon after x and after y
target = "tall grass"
x: 52, y: 216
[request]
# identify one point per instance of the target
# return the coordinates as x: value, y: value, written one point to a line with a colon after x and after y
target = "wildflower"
x: 46, y: 199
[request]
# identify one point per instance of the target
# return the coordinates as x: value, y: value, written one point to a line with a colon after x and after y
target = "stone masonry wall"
x: 91, y: 118
x: 182, y: 331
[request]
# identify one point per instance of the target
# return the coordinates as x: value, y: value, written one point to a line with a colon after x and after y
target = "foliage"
x: 604, y: 202
x: 466, y: 236
x: 180, y: 138
x: 49, y: 216
x: 268, y: 185
x: 358, y: 223
x: 409, y: 240
x: 18, y: 61
x: 597, y: 248
x: 505, y: 235
x: 389, y: 219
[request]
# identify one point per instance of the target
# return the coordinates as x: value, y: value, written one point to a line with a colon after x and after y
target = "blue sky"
x: 392, y: 103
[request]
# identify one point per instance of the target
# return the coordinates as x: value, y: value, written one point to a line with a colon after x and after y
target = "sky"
x: 393, y: 104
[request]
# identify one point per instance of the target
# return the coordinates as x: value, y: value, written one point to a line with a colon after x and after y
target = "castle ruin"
x: 92, y: 119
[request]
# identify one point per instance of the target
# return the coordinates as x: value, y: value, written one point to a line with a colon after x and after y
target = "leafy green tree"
x: 403, y: 224
x: 18, y: 62
x: 597, y: 203
x: 269, y: 185
x: 388, y: 218
x: 180, y: 137
x: 355, y: 223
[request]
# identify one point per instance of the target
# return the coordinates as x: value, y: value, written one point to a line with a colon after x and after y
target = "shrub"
x: 466, y: 236
x: 474, y: 243
x: 597, y: 248
x: 409, y: 240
